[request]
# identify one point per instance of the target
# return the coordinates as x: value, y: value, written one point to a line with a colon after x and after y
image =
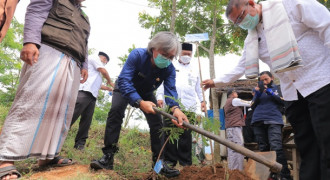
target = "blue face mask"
x: 249, y: 22
x: 162, y: 62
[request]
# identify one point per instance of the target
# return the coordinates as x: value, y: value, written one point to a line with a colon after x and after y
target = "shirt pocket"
x: 64, y: 9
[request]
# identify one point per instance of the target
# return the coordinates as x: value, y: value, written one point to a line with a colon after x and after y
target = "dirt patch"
x: 189, y: 172
x: 202, y: 173
x: 73, y: 172
x: 207, y: 172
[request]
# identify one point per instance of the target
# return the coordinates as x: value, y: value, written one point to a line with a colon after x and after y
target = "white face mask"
x: 185, y: 59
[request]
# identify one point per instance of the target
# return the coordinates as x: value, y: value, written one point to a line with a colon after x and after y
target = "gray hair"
x: 165, y: 41
x: 232, y: 4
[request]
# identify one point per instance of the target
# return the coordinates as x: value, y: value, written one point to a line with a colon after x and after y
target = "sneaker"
x: 169, y: 172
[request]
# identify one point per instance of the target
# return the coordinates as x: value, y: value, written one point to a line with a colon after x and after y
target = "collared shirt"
x: 139, y: 78
x: 187, y: 86
x: 35, y: 17
x: 310, y: 23
x: 94, y: 80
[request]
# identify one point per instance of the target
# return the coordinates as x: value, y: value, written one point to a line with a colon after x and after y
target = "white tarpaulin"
x: 197, y: 37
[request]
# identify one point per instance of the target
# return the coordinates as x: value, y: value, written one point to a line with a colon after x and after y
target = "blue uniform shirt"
x: 267, y: 107
x: 139, y: 79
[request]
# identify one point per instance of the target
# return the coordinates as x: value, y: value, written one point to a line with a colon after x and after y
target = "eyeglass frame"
x: 239, y: 19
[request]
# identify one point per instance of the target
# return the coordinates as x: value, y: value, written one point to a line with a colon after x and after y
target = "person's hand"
x: 180, y: 116
x: 30, y: 53
x: 203, y: 106
x: 110, y: 84
x: 109, y: 88
x: 258, y: 93
x: 269, y: 91
x: 160, y: 103
x: 146, y: 106
x: 84, y: 75
x: 261, y: 86
x: 209, y: 83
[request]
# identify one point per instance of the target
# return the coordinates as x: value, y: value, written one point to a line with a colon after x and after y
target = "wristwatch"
x: 137, y: 103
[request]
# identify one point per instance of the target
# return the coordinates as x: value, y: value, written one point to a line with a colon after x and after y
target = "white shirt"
x: 310, y: 22
x: 187, y: 84
x: 240, y: 102
x: 94, y: 80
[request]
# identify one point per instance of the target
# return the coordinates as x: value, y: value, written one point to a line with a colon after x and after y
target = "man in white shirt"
x: 306, y: 90
x: 87, y: 95
x: 187, y: 84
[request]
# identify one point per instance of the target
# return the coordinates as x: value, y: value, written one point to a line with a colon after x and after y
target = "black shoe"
x: 169, y: 172
x: 106, y: 162
x: 79, y: 147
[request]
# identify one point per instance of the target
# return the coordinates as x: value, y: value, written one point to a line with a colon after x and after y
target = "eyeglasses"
x: 240, y: 17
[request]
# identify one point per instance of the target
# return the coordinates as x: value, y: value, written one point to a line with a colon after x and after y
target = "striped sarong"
x: 281, y: 42
x: 39, y: 119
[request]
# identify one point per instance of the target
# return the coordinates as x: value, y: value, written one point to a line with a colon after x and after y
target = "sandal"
x: 9, y: 170
x: 55, y: 162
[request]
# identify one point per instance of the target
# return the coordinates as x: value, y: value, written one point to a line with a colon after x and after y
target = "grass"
x: 3, y: 113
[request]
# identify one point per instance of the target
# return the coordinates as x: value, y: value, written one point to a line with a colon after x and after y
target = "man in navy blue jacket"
x: 143, y: 72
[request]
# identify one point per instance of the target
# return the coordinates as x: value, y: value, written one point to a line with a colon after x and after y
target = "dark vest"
x: 67, y: 30
x: 233, y: 115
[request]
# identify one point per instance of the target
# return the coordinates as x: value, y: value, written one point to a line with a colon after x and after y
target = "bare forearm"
x: 105, y: 74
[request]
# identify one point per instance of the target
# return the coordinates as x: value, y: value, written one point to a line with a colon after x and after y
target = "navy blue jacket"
x: 139, y: 79
x: 267, y: 107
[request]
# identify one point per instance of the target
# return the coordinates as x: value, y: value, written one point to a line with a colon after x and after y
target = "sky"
x: 115, y: 28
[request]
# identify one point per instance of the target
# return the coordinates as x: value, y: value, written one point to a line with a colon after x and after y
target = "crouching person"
x: 143, y: 72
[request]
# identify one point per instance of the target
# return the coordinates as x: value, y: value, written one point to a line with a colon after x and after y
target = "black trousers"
x: 310, y: 119
x: 179, y: 150
x: 115, y: 120
x: 269, y: 138
x: 85, y: 105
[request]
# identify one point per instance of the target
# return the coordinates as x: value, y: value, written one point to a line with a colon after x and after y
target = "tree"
x: 10, y: 63
x: 198, y: 17
x: 326, y: 3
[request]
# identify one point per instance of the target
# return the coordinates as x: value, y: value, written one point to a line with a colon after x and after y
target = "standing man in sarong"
x: 55, y: 48
x: 287, y: 34
x: 87, y: 96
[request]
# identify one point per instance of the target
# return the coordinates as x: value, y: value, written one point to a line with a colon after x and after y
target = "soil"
x: 189, y: 172
x: 72, y: 172
x: 207, y: 172
x: 202, y: 173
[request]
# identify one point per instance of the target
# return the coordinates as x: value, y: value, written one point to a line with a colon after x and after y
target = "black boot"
x: 106, y: 162
x: 169, y: 172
